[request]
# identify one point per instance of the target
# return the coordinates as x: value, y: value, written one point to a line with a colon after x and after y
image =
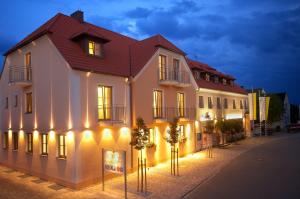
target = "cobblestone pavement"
x: 194, y: 169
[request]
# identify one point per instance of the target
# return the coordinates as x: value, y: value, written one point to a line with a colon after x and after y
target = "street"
x: 271, y: 170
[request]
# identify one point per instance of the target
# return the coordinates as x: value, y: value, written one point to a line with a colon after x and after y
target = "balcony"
x: 170, y: 77
x: 20, y: 75
x: 112, y: 114
x: 168, y: 113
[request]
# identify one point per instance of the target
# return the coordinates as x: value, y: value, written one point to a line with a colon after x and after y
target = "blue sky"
x: 257, y: 41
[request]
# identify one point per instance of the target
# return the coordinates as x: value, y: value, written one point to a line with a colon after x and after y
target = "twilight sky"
x: 257, y: 41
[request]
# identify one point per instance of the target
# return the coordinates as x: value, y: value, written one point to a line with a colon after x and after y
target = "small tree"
x: 139, y: 140
x: 275, y: 109
x: 140, y: 135
x: 209, y: 129
x: 222, y: 126
x: 173, y: 133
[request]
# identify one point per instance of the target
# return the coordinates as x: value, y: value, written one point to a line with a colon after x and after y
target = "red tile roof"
x: 123, y: 56
x: 61, y: 29
x: 235, y: 88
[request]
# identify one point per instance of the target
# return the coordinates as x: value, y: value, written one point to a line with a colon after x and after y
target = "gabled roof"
x: 235, y: 88
x: 120, y: 52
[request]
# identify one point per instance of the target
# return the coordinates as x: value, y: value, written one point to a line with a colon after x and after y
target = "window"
x: 216, y: 79
x: 15, y: 140
x: 6, y: 103
x: 201, y: 102
x: 224, y: 81
x: 29, y: 142
x: 245, y: 104
x: 104, y: 102
x: 28, y: 101
x: 209, y: 103
x: 27, y: 59
x: 44, y: 144
x: 207, y: 77
x: 241, y: 104
x: 162, y: 67
x: 5, y: 140
x: 176, y: 69
x: 61, y: 146
x: 94, y: 48
x: 218, y: 103
x: 180, y: 105
x: 197, y: 74
x: 157, y: 104
x: 231, y: 83
x: 225, y: 103
x: 16, y: 100
x: 233, y: 104
x: 152, y: 135
x: 181, y: 132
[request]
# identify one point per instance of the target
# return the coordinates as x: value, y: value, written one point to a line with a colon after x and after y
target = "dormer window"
x: 197, y: 74
x: 231, y: 83
x: 224, y: 81
x: 94, y: 48
x: 207, y: 77
x: 216, y: 79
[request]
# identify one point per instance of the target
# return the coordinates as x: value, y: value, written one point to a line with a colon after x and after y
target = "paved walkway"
x: 194, y: 170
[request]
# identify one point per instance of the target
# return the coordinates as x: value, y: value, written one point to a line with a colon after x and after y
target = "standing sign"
x: 114, y: 162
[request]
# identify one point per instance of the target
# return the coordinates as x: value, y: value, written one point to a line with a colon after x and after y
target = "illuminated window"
x: 180, y: 104
x: 241, y: 104
x: 218, y: 103
x: 16, y: 100
x: 181, y: 132
x: 209, y: 103
x: 162, y: 67
x: 245, y: 104
x: 152, y: 135
x: 207, y: 77
x: 201, y: 102
x: 29, y: 142
x: 225, y: 103
x: 94, y: 48
x: 15, y: 140
x: 233, y: 104
x: 104, y: 102
x: 224, y: 81
x: 5, y: 140
x: 61, y: 146
x: 157, y: 104
x: 44, y: 144
x: 176, y: 69
x: 6, y: 103
x: 28, y: 101
x: 28, y: 59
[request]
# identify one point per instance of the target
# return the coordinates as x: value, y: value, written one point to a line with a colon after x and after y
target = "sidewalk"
x: 194, y: 169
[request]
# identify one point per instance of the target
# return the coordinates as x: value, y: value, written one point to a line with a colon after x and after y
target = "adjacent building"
x: 70, y: 89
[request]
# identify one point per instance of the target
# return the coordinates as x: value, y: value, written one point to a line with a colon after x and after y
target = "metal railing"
x: 115, y: 113
x: 167, y: 74
x: 20, y: 74
x: 168, y: 113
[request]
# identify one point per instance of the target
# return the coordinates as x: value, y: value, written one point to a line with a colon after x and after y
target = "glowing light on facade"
x: 52, y: 135
x: 35, y: 135
x: 233, y: 116
x: 70, y: 136
x: 107, y: 134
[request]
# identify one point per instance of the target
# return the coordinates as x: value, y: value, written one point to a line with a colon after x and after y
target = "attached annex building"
x: 71, y: 88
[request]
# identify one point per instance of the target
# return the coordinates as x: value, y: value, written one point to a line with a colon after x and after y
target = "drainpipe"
x: 131, y: 106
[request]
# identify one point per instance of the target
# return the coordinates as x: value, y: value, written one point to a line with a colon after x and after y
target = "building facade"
x: 71, y: 89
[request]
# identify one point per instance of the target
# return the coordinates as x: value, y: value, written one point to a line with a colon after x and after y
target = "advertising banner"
x: 252, y: 105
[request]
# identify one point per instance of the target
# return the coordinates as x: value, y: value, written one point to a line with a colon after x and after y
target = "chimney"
x: 78, y: 15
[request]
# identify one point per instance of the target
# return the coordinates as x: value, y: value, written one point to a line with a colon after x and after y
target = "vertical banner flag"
x: 262, y: 108
x: 252, y: 105
x: 267, y: 107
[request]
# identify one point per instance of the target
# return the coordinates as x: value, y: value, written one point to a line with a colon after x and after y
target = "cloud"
x: 138, y: 13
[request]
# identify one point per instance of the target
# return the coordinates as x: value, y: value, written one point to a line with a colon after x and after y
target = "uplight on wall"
x: 233, y: 116
x: 52, y: 135
x: 70, y: 136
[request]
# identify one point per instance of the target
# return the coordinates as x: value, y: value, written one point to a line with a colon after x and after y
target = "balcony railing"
x: 113, y: 114
x: 169, y: 76
x: 20, y: 75
x: 168, y: 113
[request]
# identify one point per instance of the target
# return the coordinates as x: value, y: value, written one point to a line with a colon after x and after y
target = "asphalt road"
x: 269, y: 171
